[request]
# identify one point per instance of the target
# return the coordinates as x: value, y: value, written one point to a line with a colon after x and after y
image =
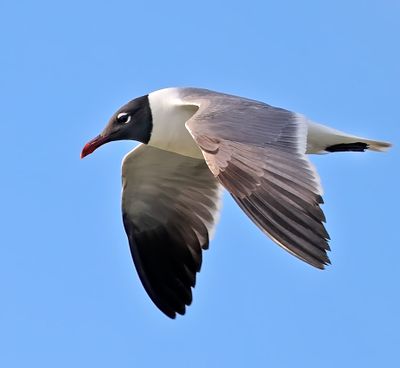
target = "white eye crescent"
x: 123, y: 117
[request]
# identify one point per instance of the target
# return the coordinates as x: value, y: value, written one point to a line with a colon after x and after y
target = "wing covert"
x: 170, y: 206
x: 257, y: 152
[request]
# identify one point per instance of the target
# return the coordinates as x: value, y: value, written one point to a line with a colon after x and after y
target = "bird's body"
x: 169, y: 118
x: 172, y: 107
x: 196, y: 142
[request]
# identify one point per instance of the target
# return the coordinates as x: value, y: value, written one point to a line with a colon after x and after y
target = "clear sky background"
x: 70, y: 296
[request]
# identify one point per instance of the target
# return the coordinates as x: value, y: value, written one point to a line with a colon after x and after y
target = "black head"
x: 132, y: 121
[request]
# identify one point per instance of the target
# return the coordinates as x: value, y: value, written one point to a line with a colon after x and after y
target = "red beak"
x: 93, y: 145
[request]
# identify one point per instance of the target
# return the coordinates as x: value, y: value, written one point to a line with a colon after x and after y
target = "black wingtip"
x: 327, y: 263
x: 171, y: 315
x: 348, y: 147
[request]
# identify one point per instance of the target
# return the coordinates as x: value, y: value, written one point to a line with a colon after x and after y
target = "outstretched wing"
x: 257, y: 152
x: 169, y: 206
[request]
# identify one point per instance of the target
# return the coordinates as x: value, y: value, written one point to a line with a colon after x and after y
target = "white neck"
x: 169, y: 117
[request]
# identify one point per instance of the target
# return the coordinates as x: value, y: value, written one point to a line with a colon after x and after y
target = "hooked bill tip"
x: 92, y: 145
x: 87, y: 150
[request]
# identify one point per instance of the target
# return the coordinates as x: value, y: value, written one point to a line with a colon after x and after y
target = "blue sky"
x: 70, y: 293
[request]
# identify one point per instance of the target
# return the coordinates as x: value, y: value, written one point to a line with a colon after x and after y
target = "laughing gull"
x: 195, y: 142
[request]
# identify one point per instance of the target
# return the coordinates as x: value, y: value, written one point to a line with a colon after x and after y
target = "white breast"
x: 169, y: 118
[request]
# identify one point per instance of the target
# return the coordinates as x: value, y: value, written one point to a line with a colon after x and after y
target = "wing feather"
x: 170, y: 204
x: 257, y: 152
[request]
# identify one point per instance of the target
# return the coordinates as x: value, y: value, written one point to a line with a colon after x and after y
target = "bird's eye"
x: 123, y: 118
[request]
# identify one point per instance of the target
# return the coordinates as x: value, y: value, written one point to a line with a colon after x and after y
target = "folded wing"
x: 169, y: 205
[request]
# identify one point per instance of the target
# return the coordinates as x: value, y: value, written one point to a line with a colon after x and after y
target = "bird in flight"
x: 195, y: 142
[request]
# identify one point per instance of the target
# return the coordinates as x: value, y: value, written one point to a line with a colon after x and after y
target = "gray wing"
x: 169, y: 204
x: 257, y: 152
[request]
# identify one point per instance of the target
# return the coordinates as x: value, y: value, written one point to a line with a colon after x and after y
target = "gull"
x: 194, y: 143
